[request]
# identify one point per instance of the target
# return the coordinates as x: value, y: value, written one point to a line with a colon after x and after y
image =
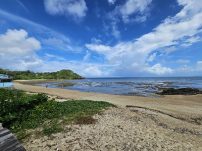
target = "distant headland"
x: 29, y: 75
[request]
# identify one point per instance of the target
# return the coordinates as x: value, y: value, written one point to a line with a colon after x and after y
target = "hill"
x: 28, y: 75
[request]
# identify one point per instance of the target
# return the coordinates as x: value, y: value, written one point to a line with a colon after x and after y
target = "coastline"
x: 187, y: 107
x: 36, y: 81
x: 138, y: 123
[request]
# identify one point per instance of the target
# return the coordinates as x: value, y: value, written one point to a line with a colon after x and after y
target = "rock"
x: 181, y: 91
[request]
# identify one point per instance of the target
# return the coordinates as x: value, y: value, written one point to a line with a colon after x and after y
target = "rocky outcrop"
x: 180, y: 91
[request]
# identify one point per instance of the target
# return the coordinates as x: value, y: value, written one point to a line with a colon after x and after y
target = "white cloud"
x: 199, y: 65
x: 93, y: 70
x: 172, y: 32
x: 111, y: 2
x: 18, y: 50
x: 169, y: 49
x: 138, y: 7
x: 158, y: 69
x: 128, y: 12
x: 49, y: 38
x: 195, y: 69
x: 75, y: 8
x: 83, y: 68
x: 98, y: 48
x: 191, y: 40
x: 131, y: 56
x: 152, y: 57
x: 16, y: 42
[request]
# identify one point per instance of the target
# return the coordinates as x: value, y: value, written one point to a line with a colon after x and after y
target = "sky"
x: 102, y: 38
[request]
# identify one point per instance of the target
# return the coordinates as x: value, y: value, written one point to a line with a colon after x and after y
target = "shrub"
x: 14, y: 104
x: 20, y: 112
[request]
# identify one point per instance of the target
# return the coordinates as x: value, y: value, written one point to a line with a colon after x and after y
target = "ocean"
x: 147, y: 86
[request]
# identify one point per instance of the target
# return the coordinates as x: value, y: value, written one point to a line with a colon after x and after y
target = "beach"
x: 138, y: 123
x: 187, y: 107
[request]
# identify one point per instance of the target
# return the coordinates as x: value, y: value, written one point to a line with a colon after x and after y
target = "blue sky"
x: 102, y: 38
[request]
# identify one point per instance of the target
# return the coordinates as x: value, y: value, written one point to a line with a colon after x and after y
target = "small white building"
x: 5, y: 81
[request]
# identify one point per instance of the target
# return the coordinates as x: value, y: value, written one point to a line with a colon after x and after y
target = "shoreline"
x: 182, y: 106
x: 36, y: 81
x: 137, y: 123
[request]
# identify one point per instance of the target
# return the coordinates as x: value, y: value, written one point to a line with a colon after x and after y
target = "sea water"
x: 147, y: 86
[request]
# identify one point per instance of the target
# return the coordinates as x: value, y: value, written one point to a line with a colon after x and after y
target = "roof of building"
x: 4, y: 76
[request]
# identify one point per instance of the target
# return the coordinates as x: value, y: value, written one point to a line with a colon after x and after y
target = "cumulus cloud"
x: 17, y: 42
x: 18, y: 49
x: 48, y: 37
x: 26, y: 58
x: 75, y: 8
x: 158, y: 69
x: 172, y: 32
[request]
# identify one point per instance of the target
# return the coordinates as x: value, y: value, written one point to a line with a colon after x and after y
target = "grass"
x: 52, y: 127
x: 21, y: 112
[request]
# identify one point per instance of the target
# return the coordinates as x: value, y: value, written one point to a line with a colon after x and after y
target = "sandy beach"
x: 139, y: 123
x: 187, y: 107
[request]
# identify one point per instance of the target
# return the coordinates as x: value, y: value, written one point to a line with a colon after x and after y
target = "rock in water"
x: 181, y: 91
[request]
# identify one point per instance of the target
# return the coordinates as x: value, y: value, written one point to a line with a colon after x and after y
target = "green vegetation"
x: 21, y: 112
x: 28, y: 75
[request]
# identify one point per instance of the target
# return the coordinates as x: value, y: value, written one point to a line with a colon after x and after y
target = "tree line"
x: 28, y: 75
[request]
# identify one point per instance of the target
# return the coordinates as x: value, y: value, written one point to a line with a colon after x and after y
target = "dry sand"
x: 124, y: 130
x: 164, y: 123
